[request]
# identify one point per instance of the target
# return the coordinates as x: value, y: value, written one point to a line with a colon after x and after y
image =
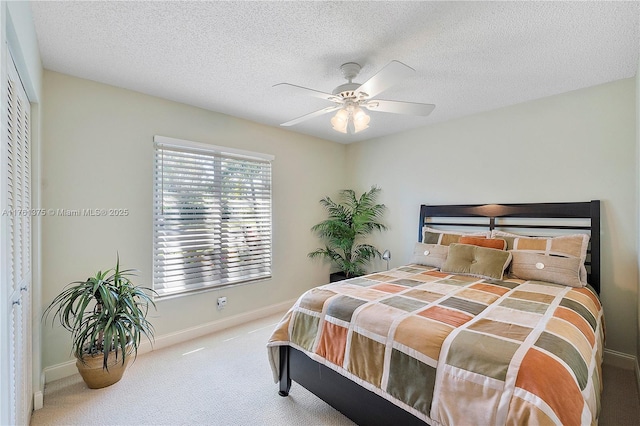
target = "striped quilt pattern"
x: 454, y: 349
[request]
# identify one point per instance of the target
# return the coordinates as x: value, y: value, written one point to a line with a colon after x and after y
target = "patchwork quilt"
x: 455, y: 349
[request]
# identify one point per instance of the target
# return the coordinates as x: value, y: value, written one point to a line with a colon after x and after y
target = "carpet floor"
x: 225, y: 379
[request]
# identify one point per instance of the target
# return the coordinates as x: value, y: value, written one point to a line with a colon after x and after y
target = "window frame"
x: 219, y: 155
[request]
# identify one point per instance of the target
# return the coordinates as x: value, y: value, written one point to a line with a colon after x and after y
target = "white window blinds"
x: 212, y: 216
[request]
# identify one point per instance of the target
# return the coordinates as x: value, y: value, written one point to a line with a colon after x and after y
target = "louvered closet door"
x: 18, y: 245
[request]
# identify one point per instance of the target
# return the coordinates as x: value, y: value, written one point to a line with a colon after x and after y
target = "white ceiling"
x: 226, y: 56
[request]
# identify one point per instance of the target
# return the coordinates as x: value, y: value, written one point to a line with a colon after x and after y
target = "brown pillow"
x: 495, y: 243
x: 477, y: 261
x: 553, y: 269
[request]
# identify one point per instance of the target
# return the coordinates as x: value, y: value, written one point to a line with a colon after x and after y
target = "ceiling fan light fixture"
x: 350, y: 119
x: 340, y: 121
x: 360, y: 120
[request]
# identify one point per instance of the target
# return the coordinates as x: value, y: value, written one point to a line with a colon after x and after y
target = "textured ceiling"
x: 226, y: 56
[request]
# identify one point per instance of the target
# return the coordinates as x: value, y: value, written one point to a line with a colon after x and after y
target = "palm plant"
x: 349, y: 220
x: 106, y: 314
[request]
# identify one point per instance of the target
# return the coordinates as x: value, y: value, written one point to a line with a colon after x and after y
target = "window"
x: 212, y: 216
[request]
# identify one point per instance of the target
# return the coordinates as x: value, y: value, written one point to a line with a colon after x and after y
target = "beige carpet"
x: 225, y: 379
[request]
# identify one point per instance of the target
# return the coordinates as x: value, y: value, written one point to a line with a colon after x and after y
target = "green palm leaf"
x: 350, y: 219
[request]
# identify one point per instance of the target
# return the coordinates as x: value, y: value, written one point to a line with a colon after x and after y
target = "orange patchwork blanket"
x: 454, y: 349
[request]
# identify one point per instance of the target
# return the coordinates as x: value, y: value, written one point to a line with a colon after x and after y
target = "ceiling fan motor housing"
x: 350, y: 70
x: 347, y: 90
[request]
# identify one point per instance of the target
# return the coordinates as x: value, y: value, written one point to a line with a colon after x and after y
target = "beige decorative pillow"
x: 438, y: 236
x: 477, y: 261
x: 430, y: 254
x: 574, y: 245
x: 553, y: 269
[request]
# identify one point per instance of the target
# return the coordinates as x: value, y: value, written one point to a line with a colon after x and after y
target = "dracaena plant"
x: 350, y: 220
x: 106, y: 314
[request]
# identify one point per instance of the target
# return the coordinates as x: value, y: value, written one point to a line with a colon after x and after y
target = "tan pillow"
x: 477, y: 261
x: 438, y: 236
x: 574, y: 245
x: 430, y: 254
x: 553, y: 269
x: 495, y: 243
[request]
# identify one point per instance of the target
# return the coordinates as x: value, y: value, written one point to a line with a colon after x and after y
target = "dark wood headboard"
x: 536, y: 217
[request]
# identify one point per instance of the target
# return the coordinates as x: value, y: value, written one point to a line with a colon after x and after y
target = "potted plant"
x: 107, y: 316
x: 349, y: 220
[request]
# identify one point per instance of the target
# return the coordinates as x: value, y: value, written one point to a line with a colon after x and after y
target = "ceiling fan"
x: 349, y: 98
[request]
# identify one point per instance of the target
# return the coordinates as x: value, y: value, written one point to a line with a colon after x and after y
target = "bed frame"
x: 367, y: 408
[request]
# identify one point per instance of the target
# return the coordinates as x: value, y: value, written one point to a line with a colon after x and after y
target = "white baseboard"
x: 68, y: 368
x: 60, y: 371
x: 620, y: 360
x: 38, y: 400
x: 212, y: 327
x: 638, y: 375
x: 38, y: 394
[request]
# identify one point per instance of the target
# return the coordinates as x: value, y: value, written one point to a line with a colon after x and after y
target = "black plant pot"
x: 337, y: 276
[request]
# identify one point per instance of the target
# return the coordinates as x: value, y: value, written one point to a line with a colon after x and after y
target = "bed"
x: 453, y: 340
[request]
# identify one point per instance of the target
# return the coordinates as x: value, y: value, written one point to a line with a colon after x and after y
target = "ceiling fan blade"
x: 312, y: 92
x: 312, y: 115
x: 388, y: 76
x: 398, y: 107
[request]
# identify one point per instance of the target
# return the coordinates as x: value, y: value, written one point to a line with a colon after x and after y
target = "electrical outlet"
x: 222, y: 302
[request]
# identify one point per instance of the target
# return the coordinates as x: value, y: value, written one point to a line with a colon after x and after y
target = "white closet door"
x: 16, y: 217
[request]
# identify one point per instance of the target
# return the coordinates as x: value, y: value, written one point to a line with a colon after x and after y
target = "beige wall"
x: 98, y: 153
x: 576, y: 146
